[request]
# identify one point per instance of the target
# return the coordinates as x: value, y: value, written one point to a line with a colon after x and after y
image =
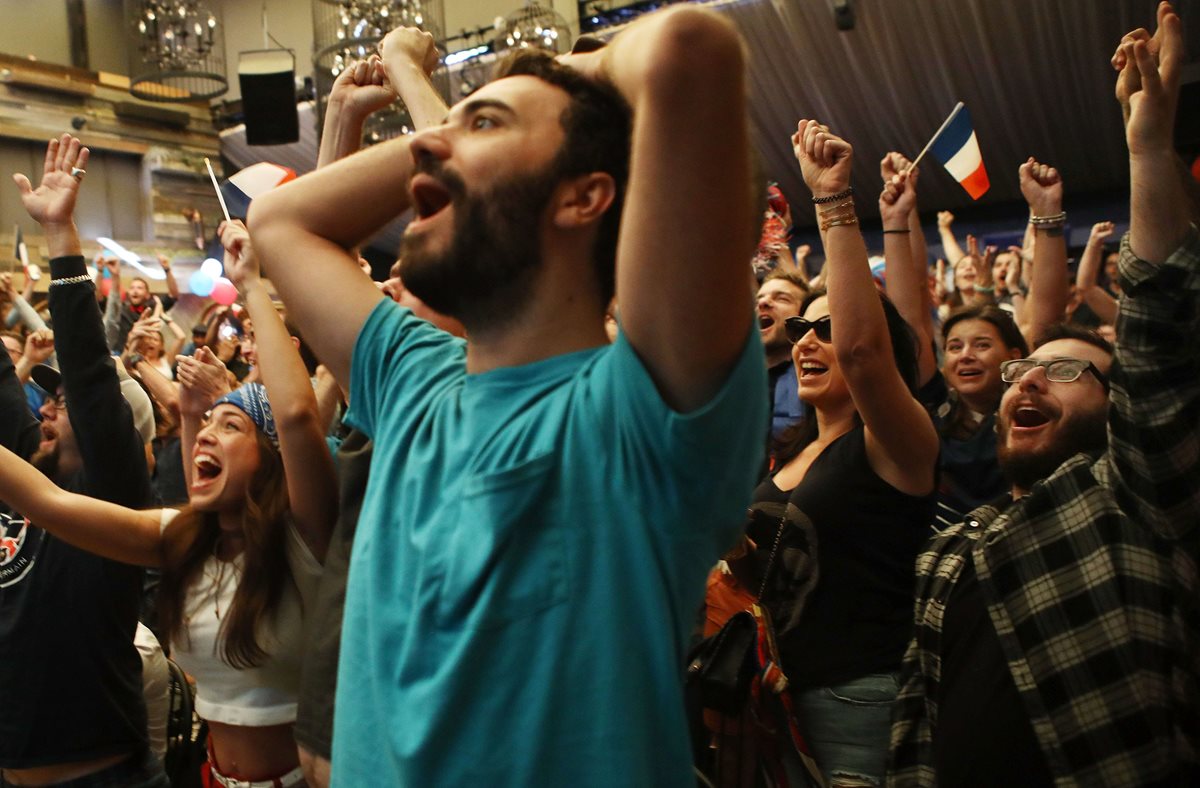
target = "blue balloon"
x: 201, y: 283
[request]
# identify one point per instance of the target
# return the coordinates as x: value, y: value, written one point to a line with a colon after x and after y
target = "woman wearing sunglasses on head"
x: 240, y: 562
x: 859, y: 480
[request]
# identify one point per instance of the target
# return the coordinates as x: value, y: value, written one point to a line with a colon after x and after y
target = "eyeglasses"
x: 59, y: 401
x: 1059, y: 370
x: 797, y: 327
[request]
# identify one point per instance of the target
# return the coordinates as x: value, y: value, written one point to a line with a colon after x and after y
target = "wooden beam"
x: 77, y: 29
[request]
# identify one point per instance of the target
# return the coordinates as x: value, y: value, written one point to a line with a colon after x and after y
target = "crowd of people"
x: 454, y: 528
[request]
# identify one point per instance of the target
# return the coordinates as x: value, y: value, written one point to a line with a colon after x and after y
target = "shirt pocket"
x: 506, y: 556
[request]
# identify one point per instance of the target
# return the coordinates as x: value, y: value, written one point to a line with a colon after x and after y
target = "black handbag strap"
x: 771, y: 558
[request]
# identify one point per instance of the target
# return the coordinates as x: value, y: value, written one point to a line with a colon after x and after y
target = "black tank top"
x: 857, y: 618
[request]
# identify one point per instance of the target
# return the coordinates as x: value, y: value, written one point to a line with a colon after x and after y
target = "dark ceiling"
x: 1034, y: 74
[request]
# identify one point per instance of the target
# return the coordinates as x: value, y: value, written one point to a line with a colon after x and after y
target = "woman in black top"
x: 859, y: 477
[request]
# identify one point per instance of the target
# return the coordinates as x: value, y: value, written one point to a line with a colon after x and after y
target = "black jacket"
x: 71, y: 677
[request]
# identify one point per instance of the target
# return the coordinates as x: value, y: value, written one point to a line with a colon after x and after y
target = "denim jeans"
x: 138, y: 771
x: 848, y: 728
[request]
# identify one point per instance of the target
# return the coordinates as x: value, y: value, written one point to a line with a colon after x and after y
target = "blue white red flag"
x: 250, y: 182
x: 957, y: 148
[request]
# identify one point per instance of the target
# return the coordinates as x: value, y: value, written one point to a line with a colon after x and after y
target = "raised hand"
x: 203, y: 380
x: 241, y: 264
x: 410, y: 44
x: 39, y: 346
x: 985, y: 267
x: 1012, y: 277
x: 898, y: 199
x: 825, y: 158
x: 7, y: 293
x: 944, y: 220
x: 939, y: 282
x: 1100, y: 231
x: 894, y: 164
x: 1148, y: 85
x: 362, y: 88
x: 1042, y: 187
x: 141, y: 331
x: 53, y: 201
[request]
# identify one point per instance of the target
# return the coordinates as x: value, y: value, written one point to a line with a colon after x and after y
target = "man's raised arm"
x: 304, y: 231
x: 689, y: 227
x: 1153, y: 434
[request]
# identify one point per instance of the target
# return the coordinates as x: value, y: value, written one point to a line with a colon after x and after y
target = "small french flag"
x: 250, y: 182
x: 956, y: 147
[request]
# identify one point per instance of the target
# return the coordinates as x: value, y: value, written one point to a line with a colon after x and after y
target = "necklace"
x: 216, y: 581
x: 220, y: 579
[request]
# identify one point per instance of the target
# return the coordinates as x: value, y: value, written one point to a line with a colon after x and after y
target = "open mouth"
x: 429, y: 196
x: 970, y: 373
x: 811, y: 369
x: 206, y: 469
x: 1029, y: 418
x: 765, y: 322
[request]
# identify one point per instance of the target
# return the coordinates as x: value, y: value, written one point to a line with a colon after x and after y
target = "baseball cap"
x: 49, y: 379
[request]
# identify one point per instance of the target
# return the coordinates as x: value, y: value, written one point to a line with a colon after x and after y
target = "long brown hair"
x: 192, y: 538
x: 904, y: 352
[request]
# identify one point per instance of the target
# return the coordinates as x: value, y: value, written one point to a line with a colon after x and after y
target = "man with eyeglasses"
x: 1057, y: 631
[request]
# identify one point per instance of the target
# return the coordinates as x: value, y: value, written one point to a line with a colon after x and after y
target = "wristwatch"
x: 133, y: 359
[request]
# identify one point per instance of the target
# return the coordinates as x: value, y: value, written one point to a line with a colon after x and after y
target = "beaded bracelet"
x: 834, y: 197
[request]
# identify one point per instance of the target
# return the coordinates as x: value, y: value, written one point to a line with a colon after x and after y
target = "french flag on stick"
x: 956, y: 147
x: 250, y: 182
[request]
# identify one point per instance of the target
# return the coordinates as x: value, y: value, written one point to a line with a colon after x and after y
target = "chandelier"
x: 532, y: 26
x: 358, y: 25
x: 345, y: 31
x: 177, y: 34
x: 180, y: 51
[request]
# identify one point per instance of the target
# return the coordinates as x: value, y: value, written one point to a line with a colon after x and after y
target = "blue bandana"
x: 252, y: 400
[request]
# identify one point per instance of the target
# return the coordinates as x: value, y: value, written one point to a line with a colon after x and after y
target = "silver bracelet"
x: 71, y: 280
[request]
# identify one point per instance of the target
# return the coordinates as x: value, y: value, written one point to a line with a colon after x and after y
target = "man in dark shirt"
x: 1056, y: 633
x: 73, y: 708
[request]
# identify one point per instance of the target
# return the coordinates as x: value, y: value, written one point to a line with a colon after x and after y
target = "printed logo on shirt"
x: 18, y: 548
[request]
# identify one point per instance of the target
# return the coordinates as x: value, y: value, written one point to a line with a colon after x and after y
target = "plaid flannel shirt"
x: 1091, y: 579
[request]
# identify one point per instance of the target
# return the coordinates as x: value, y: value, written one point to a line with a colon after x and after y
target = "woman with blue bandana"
x: 240, y: 562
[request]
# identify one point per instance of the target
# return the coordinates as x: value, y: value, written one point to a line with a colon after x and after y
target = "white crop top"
x: 258, y: 696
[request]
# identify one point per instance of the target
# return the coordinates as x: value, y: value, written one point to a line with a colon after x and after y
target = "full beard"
x: 1086, y: 432
x: 46, y: 461
x: 485, y: 278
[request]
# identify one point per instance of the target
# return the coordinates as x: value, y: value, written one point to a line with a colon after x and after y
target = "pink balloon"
x: 223, y: 291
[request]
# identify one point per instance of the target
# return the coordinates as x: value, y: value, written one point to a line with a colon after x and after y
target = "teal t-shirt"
x: 529, y: 562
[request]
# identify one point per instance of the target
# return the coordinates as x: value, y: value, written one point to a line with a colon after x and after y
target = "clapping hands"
x: 203, y: 380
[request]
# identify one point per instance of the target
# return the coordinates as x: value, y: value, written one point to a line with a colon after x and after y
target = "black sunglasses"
x: 1059, y: 370
x: 797, y: 327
